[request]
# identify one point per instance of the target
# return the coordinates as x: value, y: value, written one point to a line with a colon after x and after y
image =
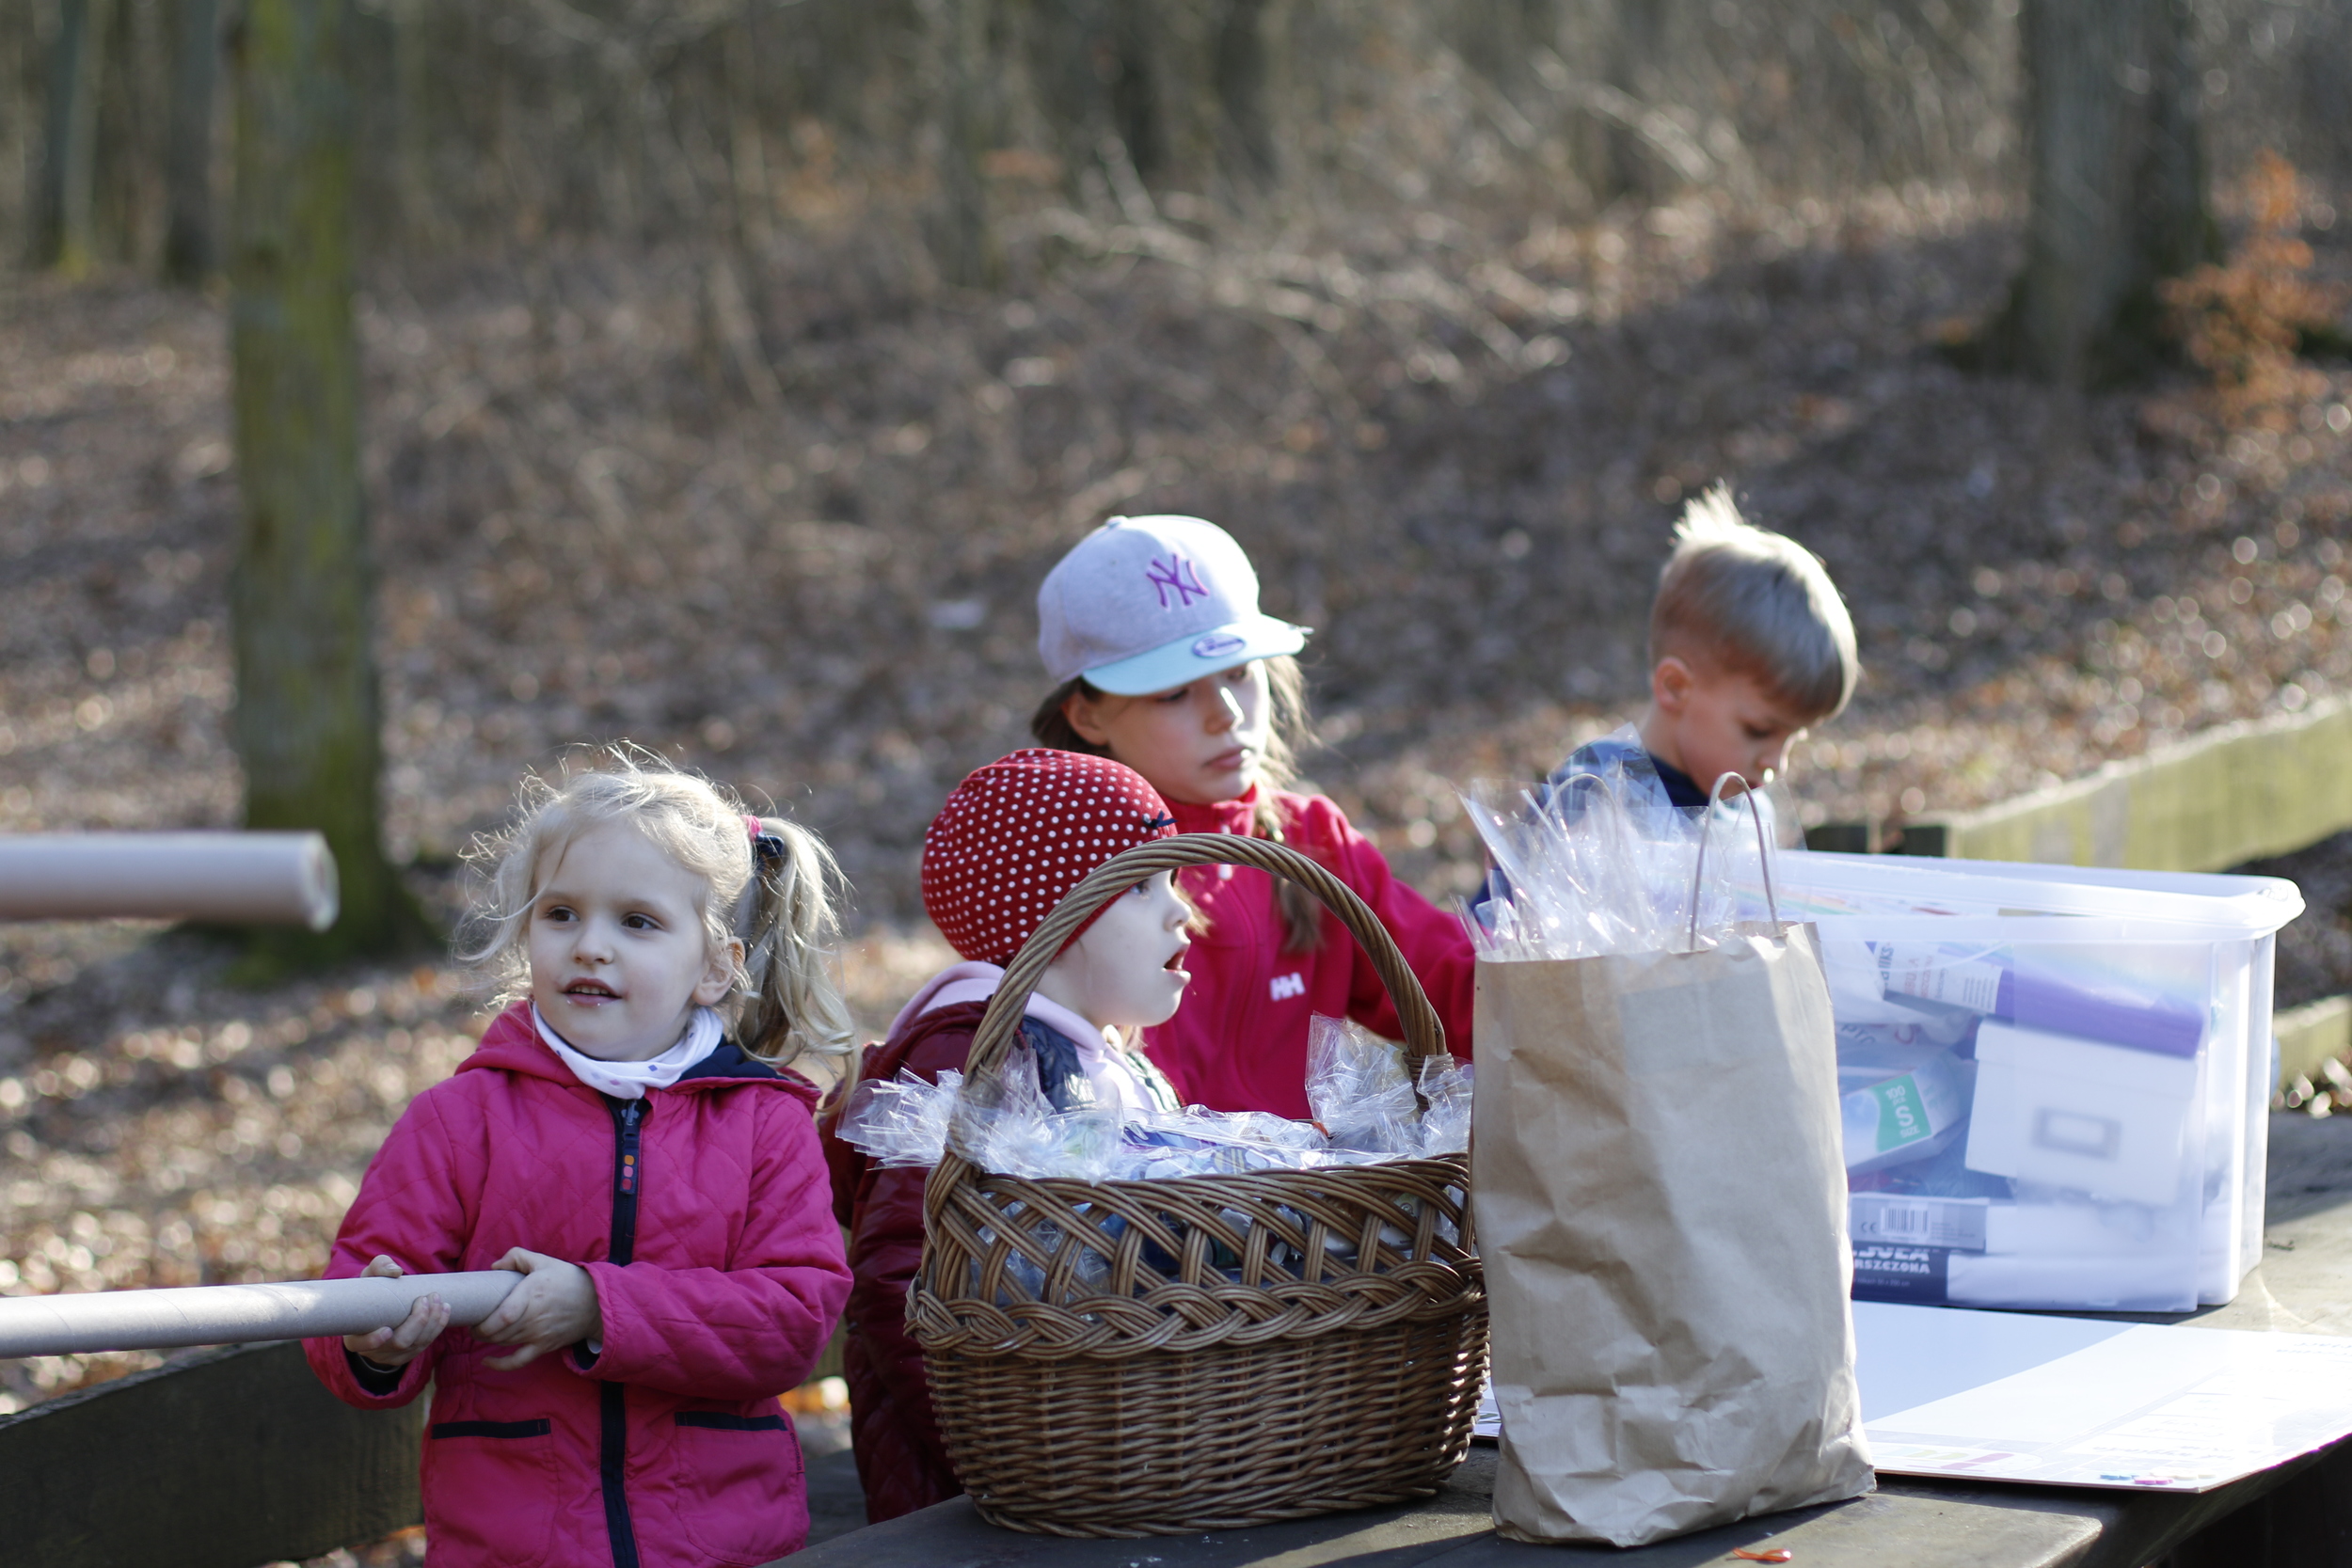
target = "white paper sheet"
x: 2008, y: 1396
x: 2085, y: 1401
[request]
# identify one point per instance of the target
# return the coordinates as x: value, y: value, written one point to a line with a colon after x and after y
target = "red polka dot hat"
x: 1017, y: 835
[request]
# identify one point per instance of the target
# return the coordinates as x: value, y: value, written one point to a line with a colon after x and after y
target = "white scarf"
x: 1101, y: 1056
x: 630, y: 1080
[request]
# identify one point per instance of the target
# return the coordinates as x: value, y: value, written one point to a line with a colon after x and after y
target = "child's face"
x: 1710, y: 721
x: 619, y: 960
x: 1197, y: 743
x: 1126, y: 970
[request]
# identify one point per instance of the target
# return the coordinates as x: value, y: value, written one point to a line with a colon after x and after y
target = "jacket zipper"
x: 628, y: 1178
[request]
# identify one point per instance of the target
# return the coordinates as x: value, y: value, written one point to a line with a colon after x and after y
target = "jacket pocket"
x: 720, y: 1421
x: 748, y: 1504
x: 490, y: 1491
x: 539, y: 1428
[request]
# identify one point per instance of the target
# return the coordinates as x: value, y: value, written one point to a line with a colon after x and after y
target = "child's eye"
x: 641, y: 922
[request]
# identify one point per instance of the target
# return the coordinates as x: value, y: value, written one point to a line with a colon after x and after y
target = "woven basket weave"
x: 1266, y: 1346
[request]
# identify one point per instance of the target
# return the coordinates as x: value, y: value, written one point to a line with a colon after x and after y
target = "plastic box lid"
x: 2176, y: 906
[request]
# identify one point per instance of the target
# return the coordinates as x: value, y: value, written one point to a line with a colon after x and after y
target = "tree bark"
x: 2118, y: 189
x: 1498, y: 40
x: 1631, y: 166
x: 1132, y: 85
x: 963, y: 241
x: 189, y: 158
x: 1240, y: 69
x: 307, y: 720
x: 63, y: 222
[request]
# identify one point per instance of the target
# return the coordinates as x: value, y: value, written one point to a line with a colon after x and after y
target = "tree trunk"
x: 1239, y: 67
x: 1132, y: 85
x: 1498, y: 40
x: 2118, y: 189
x: 62, y: 228
x: 963, y: 241
x: 307, y: 717
x: 188, y: 158
x: 1631, y: 166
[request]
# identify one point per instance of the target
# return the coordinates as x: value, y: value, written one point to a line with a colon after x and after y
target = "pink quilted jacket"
x: 704, y: 1214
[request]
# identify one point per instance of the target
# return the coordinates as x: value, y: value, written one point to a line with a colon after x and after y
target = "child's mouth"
x: 591, y: 990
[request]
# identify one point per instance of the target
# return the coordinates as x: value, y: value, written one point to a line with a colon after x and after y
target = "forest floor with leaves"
x: 782, y: 515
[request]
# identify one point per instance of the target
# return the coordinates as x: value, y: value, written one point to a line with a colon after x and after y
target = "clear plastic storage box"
x: 2054, y: 1079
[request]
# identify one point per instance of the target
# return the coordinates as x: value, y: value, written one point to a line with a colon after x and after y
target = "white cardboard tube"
x: 232, y: 878
x: 82, y: 1325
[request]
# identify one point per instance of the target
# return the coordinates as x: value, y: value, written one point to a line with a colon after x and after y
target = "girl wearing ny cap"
x: 1151, y: 629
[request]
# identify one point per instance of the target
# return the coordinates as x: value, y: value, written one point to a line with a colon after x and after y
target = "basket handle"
x: 1423, y: 1035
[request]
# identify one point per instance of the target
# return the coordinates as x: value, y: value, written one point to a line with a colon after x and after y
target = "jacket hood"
x: 512, y: 1045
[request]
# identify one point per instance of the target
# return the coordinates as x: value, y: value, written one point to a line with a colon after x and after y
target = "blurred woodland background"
x: 730, y: 371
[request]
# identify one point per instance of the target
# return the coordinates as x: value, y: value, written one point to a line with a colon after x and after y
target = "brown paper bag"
x: 1660, y: 1199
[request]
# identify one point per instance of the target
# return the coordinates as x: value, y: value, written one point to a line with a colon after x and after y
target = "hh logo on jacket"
x: 1294, y: 984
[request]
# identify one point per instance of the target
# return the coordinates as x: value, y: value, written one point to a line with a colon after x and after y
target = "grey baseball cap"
x: 1144, y: 604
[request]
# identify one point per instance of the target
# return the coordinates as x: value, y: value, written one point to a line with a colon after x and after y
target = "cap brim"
x: 1205, y: 652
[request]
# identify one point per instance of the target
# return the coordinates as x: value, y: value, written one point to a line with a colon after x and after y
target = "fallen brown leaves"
x: 1454, y: 450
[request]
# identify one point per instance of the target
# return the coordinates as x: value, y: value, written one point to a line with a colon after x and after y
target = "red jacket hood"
x: 511, y: 1044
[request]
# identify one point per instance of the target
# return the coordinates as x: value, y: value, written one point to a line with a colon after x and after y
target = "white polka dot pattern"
x: 1017, y: 835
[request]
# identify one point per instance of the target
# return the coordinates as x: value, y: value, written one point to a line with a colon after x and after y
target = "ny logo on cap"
x: 1174, y: 573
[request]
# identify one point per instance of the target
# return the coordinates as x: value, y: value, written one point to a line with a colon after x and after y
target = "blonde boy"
x: 1750, y: 646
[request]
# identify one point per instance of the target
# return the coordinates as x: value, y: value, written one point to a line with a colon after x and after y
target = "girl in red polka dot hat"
x: 1012, y: 842
x: 1150, y: 626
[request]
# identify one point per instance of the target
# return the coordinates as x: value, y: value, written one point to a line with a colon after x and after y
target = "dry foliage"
x: 2243, y: 321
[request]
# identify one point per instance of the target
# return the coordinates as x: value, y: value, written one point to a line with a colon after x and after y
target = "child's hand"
x: 406, y: 1341
x: 554, y: 1306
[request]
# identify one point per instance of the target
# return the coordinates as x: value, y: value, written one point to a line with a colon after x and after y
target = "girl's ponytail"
x: 791, y: 1005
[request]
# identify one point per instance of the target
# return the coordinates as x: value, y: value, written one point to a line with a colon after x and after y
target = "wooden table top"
x: 2303, y: 1286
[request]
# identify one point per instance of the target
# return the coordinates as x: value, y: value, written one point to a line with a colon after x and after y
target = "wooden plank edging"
x: 224, y: 1459
x: 2309, y: 1035
x: 2234, y: 793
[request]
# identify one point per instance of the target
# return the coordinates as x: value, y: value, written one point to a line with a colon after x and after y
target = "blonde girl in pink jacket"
x: 651, y: 1171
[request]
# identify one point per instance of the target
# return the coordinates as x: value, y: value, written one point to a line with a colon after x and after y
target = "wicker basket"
x: 1266, y: 1346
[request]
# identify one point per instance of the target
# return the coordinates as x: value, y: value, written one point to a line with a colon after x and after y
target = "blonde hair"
x: 783, y: 995
x: 1755, y: 602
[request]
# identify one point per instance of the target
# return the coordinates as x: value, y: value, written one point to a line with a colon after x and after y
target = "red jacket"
x: 901, y: 1461
x: 718, y: 1271
x: 1239, y: 1040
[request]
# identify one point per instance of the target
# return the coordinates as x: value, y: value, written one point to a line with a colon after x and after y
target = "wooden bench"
x: 2297, y: 1516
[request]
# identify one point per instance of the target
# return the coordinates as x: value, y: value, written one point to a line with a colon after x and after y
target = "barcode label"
x: 1924, y: 971
x: 1957, y: 1223
x: 1891, y: 1224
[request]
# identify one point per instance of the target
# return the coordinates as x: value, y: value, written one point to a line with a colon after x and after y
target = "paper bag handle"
x: 1763, y: 854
